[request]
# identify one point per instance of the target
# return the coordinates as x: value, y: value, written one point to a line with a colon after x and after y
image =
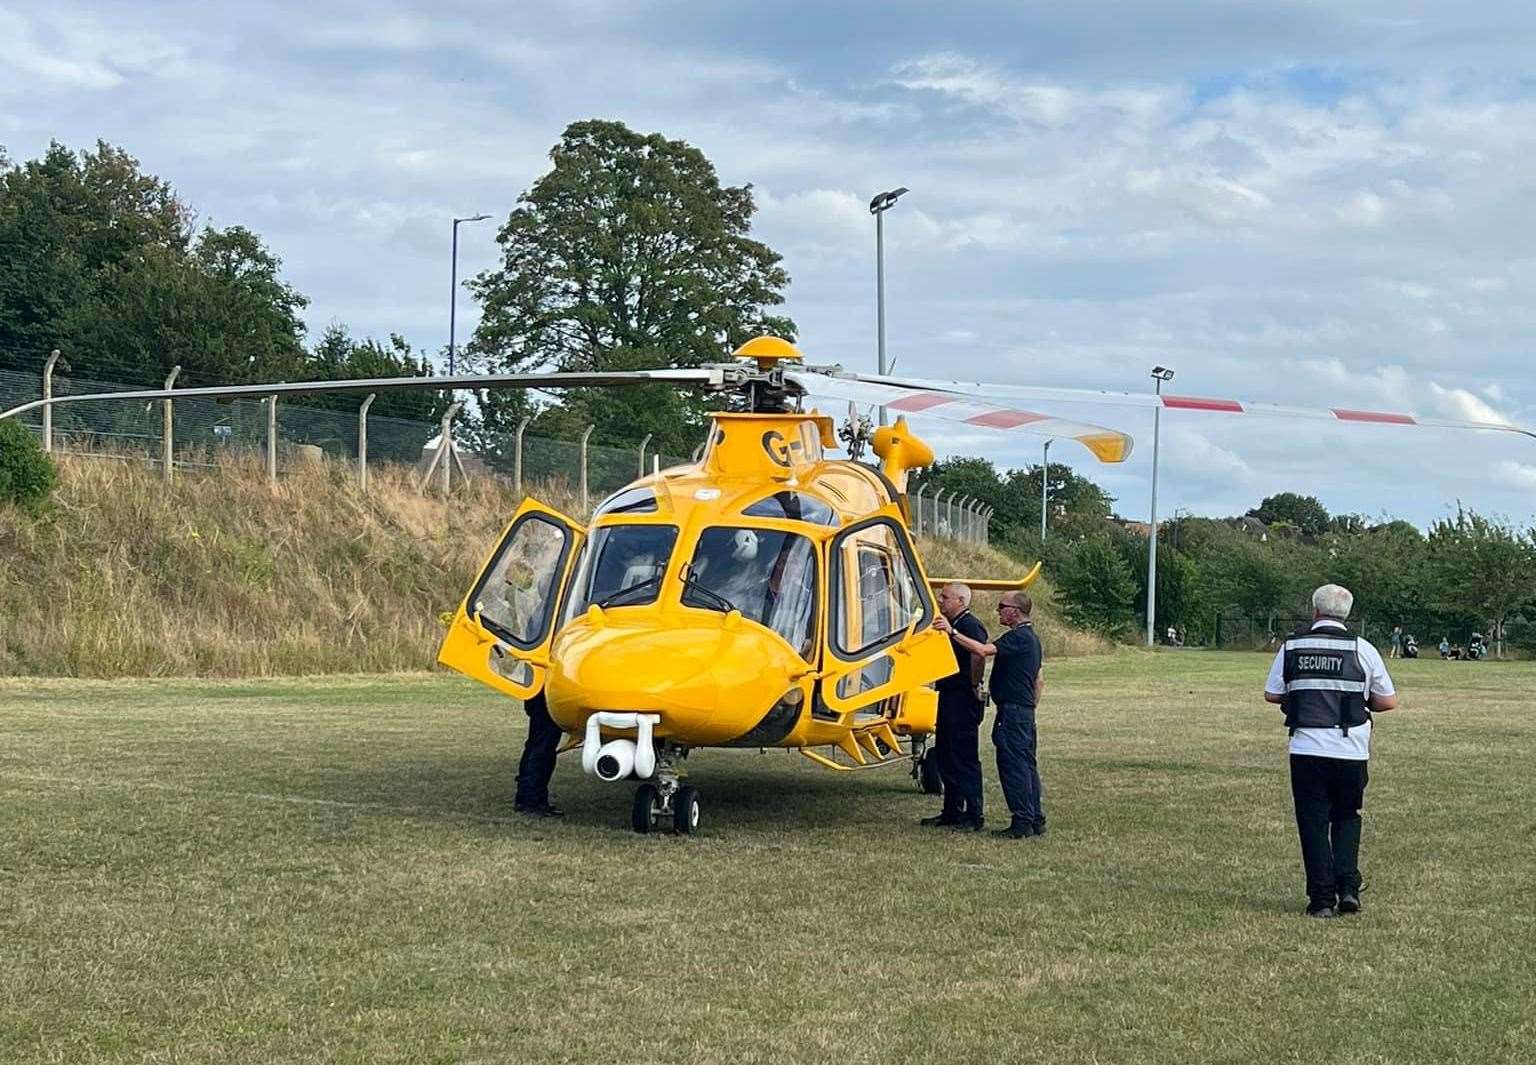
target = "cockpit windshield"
x: 768, y: 575
x: 622, y: 566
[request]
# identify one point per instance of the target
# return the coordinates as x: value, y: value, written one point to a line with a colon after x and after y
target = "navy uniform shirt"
x: 967, y: 624
x: 1016, y: 666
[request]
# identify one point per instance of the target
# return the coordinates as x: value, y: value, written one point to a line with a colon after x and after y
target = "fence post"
x: 362, y: 442
x: 53, y: 358
x: 917, y: 512
x: 585, y: 503
x: 647, y: 440
x: 445, y: 447
x: 272, y: 439
x: 517, y: 457
x: 938, y: 518
x: 167, y: 442
x: 957, y: 522
x: 986, y: 527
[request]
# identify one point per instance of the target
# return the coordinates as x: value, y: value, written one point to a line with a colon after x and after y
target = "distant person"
x: 537, y: 764
x: 1328, y: 681
x: 1397, y: 642
x: 960, y: 714
x: 1446, y: 650
x: 1016, y: 687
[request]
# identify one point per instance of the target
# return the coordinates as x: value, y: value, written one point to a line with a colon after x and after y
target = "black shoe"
x: 543, y: 809
x: 1349, y: 903
x: 1015, y: 832
x: 969, y: 824
x: 1321, y: 911
x: 941, y: 821
x: 1040, y: 829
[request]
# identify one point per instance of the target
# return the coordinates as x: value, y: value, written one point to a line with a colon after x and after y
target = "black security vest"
x: 1325, y: 684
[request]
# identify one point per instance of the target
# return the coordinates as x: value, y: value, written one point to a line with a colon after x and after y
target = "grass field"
x: 329, y: 871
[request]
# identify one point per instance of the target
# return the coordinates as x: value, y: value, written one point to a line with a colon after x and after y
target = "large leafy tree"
x: 628, y: 254
x: 1306, y: 513
x: 102, y: 261
x: 1483, y: 568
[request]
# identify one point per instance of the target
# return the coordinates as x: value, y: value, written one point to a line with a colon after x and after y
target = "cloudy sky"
x: 1309, y: 203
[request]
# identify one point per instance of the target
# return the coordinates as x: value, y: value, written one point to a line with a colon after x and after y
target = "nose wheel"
x: 666, y: 800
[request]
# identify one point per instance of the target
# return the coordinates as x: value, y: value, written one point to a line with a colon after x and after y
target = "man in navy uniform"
x: 960, y: 713
x: 1016, y: 686
x: 1328, y: 681
x: 537, y: 764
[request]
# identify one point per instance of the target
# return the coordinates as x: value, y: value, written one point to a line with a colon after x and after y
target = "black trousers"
x: 1329, y: 793
x: 538, y: 762
x: 959, y: 752
x: 1013, y: 734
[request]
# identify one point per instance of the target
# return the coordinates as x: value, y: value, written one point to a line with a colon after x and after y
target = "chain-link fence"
x: 189, y: 434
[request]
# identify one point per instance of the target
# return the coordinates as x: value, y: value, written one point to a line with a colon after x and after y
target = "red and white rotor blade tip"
x: 1107, y: 445
x: 1172, y: 401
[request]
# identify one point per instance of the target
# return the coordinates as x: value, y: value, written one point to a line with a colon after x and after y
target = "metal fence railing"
x: 187, y: 434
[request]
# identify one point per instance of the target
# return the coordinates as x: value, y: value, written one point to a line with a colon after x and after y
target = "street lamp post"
x: 453, y: 300
x: 1045, y: 484
x: 1159, y: 375
x: 878, y: 206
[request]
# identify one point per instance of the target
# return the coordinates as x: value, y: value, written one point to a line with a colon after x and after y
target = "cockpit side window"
x: 876, y: 592
x: 766, y: 574
x: 793, y: 506
x: 622, y: 566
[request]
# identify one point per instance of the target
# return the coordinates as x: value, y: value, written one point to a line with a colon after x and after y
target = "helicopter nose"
x: 709, y: 683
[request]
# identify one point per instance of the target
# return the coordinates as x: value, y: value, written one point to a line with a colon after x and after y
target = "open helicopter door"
x: 502, y: 631
x: 880, y: 639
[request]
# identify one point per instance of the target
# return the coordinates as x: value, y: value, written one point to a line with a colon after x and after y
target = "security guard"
x: 537, y: 765
x: 960, y: 713
x: 1016, y: 688
x: 1328, y: 681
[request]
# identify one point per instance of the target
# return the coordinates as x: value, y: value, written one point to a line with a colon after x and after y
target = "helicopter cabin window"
x: 876, y: 587
x: 793, y: 506
x: 769, y: 576
x: 622, y: 566
x: 516, y: 597
x: 628, y: 501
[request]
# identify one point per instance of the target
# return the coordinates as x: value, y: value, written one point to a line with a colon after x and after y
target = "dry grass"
x: 222, y: 575
x: 327, y: 870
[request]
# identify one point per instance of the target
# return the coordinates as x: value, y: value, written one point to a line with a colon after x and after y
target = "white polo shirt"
x: 1331, y: 742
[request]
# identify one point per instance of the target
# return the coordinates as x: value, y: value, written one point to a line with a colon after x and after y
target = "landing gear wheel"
x: 685, y: 810
x: 642, y: 816
x: 928, y: 774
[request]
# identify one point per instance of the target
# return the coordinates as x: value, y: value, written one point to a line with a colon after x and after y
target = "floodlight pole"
x: 1159, y: 375
x: 453, y: 297
x: 878, y: 206
x: 1045, y: 485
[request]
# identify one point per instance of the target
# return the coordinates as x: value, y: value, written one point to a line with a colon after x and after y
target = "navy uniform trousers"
x: 1013, y: 734
x: 1328, y: 793
x: 537, y: 765
x: 959, y: 752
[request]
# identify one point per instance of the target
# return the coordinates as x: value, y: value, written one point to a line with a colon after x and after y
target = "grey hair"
x: 960, y: 591
x: 1333, y: 601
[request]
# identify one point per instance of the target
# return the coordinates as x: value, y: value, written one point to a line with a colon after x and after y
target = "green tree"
x: 100, y: 260
x: 1096, y: 587
x: 1483, y: 568
x: 627, y: 254
x: 1304, y: 512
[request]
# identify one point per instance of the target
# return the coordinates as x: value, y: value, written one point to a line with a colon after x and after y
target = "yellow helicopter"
x: 766, y: 595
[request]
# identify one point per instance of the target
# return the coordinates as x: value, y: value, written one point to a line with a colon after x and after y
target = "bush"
x: 27, y: 475
x: 1097, y: 588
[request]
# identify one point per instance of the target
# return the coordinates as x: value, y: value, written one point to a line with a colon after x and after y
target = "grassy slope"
x: 221, y: 575
x: 326, y: 871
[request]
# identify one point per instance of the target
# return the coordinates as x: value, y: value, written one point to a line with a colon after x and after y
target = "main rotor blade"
x: 1170, y: 401
x: 703, y: 377
x: 1107, y: 445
